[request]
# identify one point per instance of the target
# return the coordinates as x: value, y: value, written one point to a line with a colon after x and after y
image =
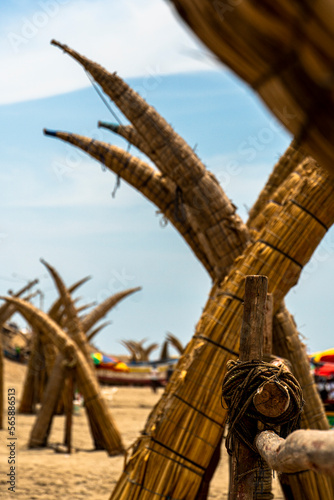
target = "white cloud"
x: 134, y: 38
x: 83, y: 186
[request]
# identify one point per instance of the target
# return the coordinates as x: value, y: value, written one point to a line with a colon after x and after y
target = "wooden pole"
x: 268, y: 326
x: 40, y: 430
x: 69, y: 411
x: 2, y: 380
x: 244, y: 460
x: 27, y: 403
x: 300, y: 451
x: 266, y: 483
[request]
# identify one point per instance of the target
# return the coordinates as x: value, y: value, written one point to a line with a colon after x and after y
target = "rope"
x: 240, y: 384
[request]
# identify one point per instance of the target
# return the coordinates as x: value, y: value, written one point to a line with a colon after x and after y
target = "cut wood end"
x: 272, y: 399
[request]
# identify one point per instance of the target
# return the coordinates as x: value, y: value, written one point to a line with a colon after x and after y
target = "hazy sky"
x: 56, y: 202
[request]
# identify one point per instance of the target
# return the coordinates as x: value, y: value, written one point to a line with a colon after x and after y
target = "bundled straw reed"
x: 1, y: 385
x: 285, y: 52
x: 306, y: 485
x: 104, y: 426
x: 56, y: 311
x: 157, y: 188
x: 215, y: 219
x: 129, y: 133
x: 286, y: 336
x: 27, y: 403
x: 186, y: 425
x: 287, y: 163
x: 73, y: 324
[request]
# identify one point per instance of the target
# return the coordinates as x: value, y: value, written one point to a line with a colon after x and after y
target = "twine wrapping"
x: 241, y: 382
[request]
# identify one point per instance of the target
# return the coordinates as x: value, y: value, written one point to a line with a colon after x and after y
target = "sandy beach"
x: 45, y: 474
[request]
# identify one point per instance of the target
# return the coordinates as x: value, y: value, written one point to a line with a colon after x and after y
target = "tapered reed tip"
x: 52, y: 133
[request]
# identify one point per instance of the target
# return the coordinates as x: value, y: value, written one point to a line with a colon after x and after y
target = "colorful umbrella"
x: 102, y: 361
x: 326, y: 356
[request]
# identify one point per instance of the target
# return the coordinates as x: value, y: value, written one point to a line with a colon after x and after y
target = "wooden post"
x: 268, y: 326
x: 2, y: 381
x: 251, y: 344
x: 40, y: 430
x: 300, y: 451
x: 69, y: 410
x: 266, y: 483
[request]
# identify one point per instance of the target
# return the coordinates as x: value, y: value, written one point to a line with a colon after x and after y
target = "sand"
x: 45, y: 474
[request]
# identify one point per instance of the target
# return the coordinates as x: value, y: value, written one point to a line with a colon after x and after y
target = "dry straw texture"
x: 157, y: 188
x: 186, y: 425
x: 284, y: 50
x: 287, y: 163
x: 219, y: 227
x: 56, y: 312
x: 104, y: 427
x: 306, y: 485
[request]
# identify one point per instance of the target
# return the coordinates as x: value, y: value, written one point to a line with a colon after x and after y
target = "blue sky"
x: 56, y: 202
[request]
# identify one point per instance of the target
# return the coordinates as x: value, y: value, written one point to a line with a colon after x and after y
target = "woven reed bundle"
x: 307, y: 485
x: 2, y: 378
x: 215, y: 213
x: 182, y: 431
x: 77, y: 334
x: 157, y: 188
x: 7, y: 310
x: 102, y: 309
x: 27, y: 400
x: 59, y: 302
x: 73, y: 325
x: 105, y: 427
x: 285, y: 52
x: 129, y: 133
x: 287, y: 163
x: 55, y: 312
